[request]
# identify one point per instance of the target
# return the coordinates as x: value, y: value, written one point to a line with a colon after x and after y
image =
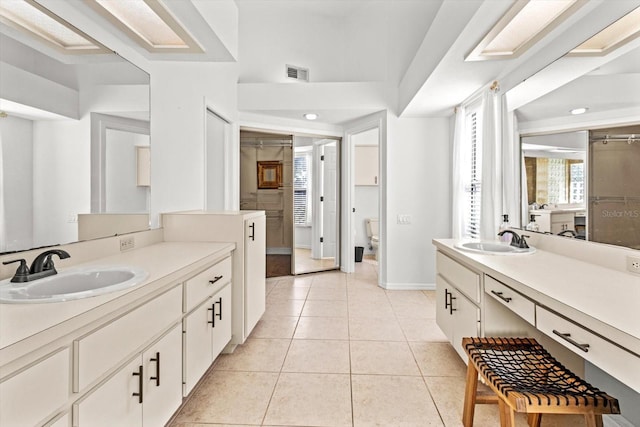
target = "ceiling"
x: 410, y: 51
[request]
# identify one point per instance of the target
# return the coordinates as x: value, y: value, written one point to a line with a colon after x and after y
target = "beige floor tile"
x: 318, y: 356
x: 229, y: 397
x: 288, y: 293
x: 329, y: 281
x: 256, y: 354
x: 370, y: 294
x: 328, y: 294
x: 382, y: 358
x: 322, y: 328
x: 381, y: 400
x: 416, y: 329
x: 375, y: 329
x: 325, y: 308
x: 310, y: 400
x: 275, y: 327
x: 378, y: 309
x: 438, y: 359
x: 292, y: 307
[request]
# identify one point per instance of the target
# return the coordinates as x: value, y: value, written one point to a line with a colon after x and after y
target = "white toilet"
x: 372, y: 234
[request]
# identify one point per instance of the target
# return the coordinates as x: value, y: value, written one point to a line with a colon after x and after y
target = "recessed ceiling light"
x: 524, y: 24
x: 149, y: 23
x: 577, y: 111
x: 311, y: 116
x: 31, y: 18
x: 615, y: 35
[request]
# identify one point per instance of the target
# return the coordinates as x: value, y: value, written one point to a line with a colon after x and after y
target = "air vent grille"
x: 298, y: 73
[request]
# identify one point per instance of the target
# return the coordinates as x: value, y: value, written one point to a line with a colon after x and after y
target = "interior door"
x: 329, y: 205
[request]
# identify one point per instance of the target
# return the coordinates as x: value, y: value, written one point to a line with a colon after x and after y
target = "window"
x: 472, y: 172
x: 302, y: 188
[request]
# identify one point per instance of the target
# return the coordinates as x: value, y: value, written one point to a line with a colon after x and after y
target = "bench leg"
x: 470, y: 395
x: 534, y: 420
x: 593, y: 420
x: 507, y: 415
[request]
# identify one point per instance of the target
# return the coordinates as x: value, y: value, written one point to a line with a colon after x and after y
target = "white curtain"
x: 459, y: 202
x: 491, y: 201
x: 511, y: 166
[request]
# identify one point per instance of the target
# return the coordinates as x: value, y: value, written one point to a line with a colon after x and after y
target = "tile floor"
x: 337, y: 350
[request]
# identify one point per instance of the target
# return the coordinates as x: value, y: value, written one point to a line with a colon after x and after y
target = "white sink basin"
x: 72, y: 284
x: 493, y: 248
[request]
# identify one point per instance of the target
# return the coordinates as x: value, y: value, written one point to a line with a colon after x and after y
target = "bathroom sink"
x: 493, y: 248
x: 72, y: 284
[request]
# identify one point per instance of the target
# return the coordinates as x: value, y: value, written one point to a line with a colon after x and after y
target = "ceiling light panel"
x: 31, y: 18
x: 521, y: 27
x: 615, y: 35
x: 149, y: 23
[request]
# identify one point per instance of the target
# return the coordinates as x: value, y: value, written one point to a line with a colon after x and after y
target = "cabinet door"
x: 162, y: 364
x: 366, y: 165
x: 466, y: 317
x: 197, y: 344
x: 221, y: 326
x: 444, y: 316
x: 117, y: 401
x: 254, y: 272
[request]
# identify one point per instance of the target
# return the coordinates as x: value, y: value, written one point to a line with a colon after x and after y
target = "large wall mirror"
x: 580, y: 173
x: 74, y: 135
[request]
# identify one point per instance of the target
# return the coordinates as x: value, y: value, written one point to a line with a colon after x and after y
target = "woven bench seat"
x: 527, y: 379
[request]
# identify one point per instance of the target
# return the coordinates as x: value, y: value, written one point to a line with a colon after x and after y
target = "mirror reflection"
x: 74, y: 138
x: 579, y: 150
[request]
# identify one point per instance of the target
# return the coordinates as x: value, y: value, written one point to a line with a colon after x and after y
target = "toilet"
x: 373, y: 234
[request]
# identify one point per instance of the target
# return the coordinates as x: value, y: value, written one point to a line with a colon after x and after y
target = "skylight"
x: 615, y: 35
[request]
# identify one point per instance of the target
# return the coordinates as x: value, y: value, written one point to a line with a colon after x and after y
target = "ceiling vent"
x: 298, y: 73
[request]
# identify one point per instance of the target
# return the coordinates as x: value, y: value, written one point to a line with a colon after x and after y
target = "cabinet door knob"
x: 252, y: 236
x: 140, y: 383
x: 212, y: 322
x: 219, y: 302
x: 157, y: 360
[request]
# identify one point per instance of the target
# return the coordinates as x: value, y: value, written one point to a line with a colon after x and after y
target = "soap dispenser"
x: 505, y: 226
x: 533, y: 225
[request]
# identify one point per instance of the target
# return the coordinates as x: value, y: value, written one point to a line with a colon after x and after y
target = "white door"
x: 197, y: 344
x: 330, y: 200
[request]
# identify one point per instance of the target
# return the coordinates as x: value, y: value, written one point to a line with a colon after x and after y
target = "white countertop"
x: 604, y: 300
x: 23, y: 326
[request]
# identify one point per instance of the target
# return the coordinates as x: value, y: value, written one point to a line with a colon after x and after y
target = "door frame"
x: 374, y: 121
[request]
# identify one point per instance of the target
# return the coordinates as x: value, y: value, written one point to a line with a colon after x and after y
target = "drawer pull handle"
x: 215, y: 279
x: 220, y: 310
x: 503, y: 298
x: 252, y: 236
x: 140, y: 384
x: 447, y: 294
x: 212, y: 322
x: 567, y: 338
x: 157, y: 377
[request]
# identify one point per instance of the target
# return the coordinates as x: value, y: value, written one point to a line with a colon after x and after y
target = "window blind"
x: 474, y: 186
x: 301, y: 189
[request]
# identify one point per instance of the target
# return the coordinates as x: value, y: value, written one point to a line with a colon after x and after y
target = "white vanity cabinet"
x: 207, y: 330
x: 554, y: 222
x: 458, y: 299
x: 145, y: 392
x: 32, y: 395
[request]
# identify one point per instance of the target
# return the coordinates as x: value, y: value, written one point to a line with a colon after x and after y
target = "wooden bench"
x: 527, y: 379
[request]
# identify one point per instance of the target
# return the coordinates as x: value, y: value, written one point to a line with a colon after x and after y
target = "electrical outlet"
x: 633, y: 264
x: 127, y: 243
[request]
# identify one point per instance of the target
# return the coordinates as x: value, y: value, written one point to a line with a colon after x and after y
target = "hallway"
x: 336, y: 350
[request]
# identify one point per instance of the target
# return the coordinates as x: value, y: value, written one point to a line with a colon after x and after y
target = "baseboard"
x: 278, y: 251
x: 409, y: 286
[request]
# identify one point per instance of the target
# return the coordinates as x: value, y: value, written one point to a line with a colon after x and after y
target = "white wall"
x: 121, y: 171
x: 417, y: 172
x: 16, y: 136
x: 179, y: 92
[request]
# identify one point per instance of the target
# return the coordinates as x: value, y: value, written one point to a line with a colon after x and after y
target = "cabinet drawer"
x: 204, y: 284
x: 511, y: 299
x: 602, y: 353
x: 567, y: 218
x: 101, y: 350
x: 27, y: 398
x: 467, y: 281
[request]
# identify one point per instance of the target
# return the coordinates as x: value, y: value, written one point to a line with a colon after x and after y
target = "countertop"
x: 26, y: 326
x: 603, y: 300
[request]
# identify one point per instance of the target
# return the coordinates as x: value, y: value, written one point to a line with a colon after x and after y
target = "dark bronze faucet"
x: 516, y: 240
x: 42, y: 266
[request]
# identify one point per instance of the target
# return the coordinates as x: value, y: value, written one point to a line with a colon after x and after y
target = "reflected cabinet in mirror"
x: 74, y: 134
x: 580, y: 146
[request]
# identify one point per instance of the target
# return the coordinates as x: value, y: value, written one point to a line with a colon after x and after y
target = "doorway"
x: 316, y: 204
